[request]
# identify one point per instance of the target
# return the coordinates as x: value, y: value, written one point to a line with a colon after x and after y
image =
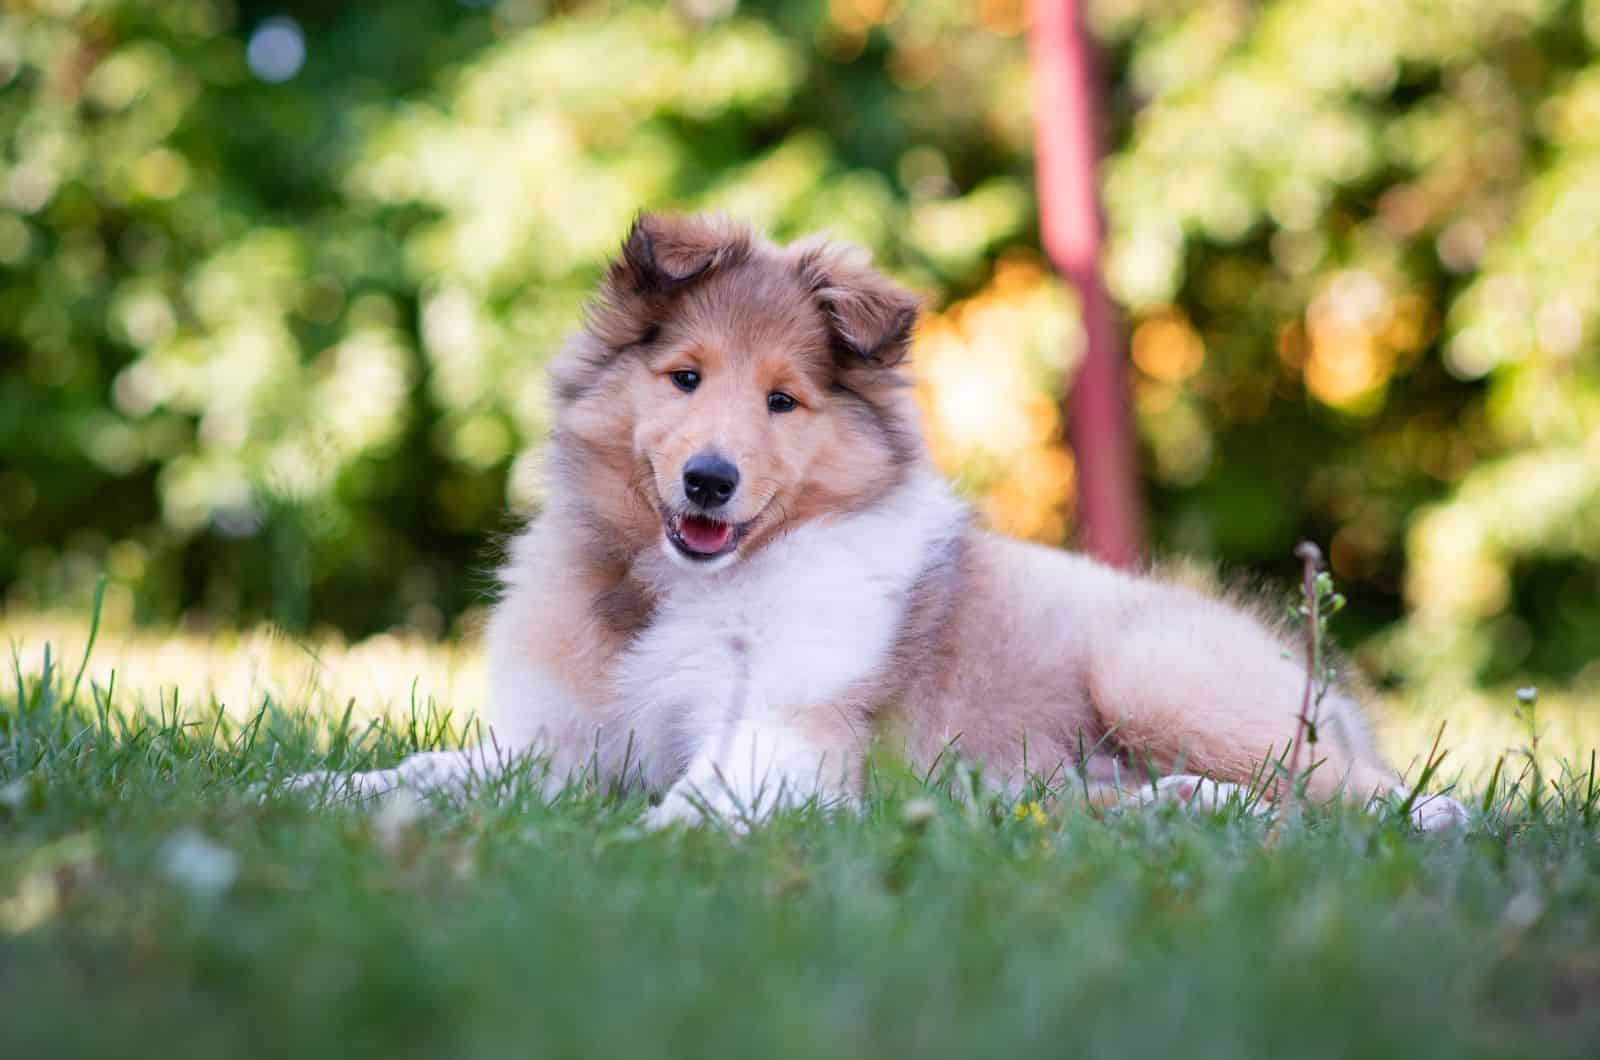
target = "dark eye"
x: 686, y: 380
x: 778, y: 401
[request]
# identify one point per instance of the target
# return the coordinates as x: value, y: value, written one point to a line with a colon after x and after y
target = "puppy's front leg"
x: 749, y: 769
x: 448, y: 772
x: 541, y: 723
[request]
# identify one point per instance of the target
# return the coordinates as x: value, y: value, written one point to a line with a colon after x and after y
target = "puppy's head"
x: 725, y: 389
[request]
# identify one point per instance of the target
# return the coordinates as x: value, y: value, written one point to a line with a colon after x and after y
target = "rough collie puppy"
x: 747, y: 572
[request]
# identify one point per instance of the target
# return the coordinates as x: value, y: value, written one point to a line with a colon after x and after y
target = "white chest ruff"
x: 792, y: 628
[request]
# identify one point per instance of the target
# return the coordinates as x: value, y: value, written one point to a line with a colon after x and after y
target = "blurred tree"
x: 1357, y: 241
x: 277, y: 282
x: 1067, y: 145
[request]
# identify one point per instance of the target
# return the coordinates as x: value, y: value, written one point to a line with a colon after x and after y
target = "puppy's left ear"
x: 869, y: 315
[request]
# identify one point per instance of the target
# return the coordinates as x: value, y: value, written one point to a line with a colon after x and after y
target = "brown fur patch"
x: 626, y: 608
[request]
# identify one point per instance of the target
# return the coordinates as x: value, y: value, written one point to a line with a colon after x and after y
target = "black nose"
x: 709, y: 480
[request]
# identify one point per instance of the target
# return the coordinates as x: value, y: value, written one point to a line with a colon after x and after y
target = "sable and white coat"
x: 737, y: 653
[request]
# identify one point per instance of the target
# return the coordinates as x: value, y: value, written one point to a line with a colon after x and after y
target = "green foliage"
x: 276, y: 349
x: 1383, y: 235
x: 273, y: 347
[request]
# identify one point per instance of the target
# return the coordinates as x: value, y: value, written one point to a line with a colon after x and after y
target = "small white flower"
x: 14, y: 794
x: 1522, y: 912
x: 201, y: 866
x: 919, y: 812
x: 35, y: 902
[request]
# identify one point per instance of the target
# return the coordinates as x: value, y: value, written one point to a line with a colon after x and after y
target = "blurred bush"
x: 277, y: 282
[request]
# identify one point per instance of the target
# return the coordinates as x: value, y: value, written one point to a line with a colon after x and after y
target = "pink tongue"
x: 704, y: 535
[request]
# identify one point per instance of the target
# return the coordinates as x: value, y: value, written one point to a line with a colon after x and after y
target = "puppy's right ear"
x: 662, y: 256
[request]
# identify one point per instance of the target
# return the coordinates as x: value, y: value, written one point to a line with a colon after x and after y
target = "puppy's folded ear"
x: 869, y: 315
x: 662, y: 255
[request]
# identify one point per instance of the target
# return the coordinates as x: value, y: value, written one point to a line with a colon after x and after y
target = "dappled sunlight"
x: 1483, y: 728
x: 1358, y: 333
x: 389, y: 675
x: 985, y: 369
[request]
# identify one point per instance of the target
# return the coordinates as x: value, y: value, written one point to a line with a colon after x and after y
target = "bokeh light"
x: 277, y: 49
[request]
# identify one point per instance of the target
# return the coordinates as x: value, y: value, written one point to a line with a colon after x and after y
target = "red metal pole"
x: 1099, y: 421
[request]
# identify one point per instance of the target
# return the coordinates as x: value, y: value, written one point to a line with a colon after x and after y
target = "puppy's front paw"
x: 1438, y: 813
x: 337, y: 786
x: 693, y: 805
x: 701, y: 799
x: 1201, y: 793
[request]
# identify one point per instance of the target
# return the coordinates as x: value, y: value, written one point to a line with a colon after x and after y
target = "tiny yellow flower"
x: 1032, y: 811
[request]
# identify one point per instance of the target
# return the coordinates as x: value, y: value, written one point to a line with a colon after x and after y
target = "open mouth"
x: 699, y: 536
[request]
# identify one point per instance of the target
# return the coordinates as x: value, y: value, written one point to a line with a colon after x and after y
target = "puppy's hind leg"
x: 1190, y: 684
x: 1187, y: 683
x: 1105, y: 783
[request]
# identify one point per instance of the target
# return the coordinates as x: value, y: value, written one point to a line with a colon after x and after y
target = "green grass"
x: 160, y: 896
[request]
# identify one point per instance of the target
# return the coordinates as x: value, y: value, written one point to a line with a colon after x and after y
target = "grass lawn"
x: 159, y: 896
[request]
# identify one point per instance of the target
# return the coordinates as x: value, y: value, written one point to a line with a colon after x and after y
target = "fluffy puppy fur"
x: 747, y: 572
